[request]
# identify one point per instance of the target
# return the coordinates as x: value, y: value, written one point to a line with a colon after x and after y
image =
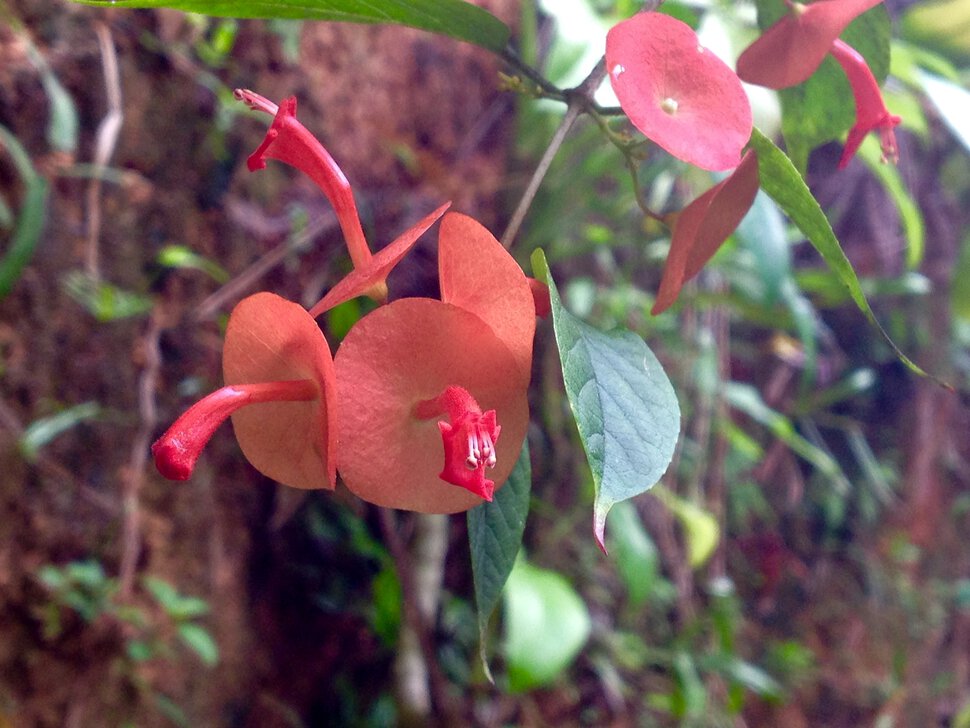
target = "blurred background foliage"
x: 804, y: 560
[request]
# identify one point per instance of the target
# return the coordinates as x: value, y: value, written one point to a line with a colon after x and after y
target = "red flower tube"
x: 433, y: 394
x: 289, y: 141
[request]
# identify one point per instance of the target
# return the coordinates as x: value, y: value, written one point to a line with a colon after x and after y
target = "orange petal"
x: 701, y: 228
x: 271, y: 339
x: 790, y: 50
x: 397, y: 356
x: 373, y: 275
x: 478, y: 275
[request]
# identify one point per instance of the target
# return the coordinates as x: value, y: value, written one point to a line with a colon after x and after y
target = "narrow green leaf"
x: 952, y: 103
x: 701, y: 530
x: 40, y: 432
x: 104, y: 301
x: 179, y: 256
x: 546, y: 625
x: 31, y: 216
x: 637, y: 559
x: 494, y: 536
x: 625, y: 407
x: 198, y: 639
x: 781, y: 181
x: 454, y: 18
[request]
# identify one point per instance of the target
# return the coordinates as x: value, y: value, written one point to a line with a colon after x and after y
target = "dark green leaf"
x: 625, y: 407
x: 454, y: 18
x: 781, y: 181
x: 546, y: 625
x: 494, y: 537
x: 30, y: 220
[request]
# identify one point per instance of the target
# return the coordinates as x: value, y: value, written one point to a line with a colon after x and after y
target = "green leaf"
x: 453, y: 18
x: 179, y: 256
x: 625, y: 407
x: 494, y: 536
x: 30, y: 221
x: 637, y: 559
x: 198, y: 639
x: 40, y: 432
x: 781, y: 181
x: 546, y: 625
x: 701, y: 530
x: 104, y: 301
x: 952, y: 103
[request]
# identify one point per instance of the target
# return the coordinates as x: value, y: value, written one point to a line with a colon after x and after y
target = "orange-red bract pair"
x: 677, y: 92
x: 400, y: 411
x: 793, y: 48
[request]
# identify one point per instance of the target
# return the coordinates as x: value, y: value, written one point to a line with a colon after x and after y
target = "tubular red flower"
x: 790, y: 50
x: 870, y: 108
x: 676, y: 92
x: 467, y: 356
x: 280, y: 392
x: 290, y: 142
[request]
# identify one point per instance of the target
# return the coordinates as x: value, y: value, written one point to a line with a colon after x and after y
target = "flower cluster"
x: 423, y: 407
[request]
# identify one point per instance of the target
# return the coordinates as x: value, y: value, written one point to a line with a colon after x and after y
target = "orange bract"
x: 270, y: 339
x: 678, y: 93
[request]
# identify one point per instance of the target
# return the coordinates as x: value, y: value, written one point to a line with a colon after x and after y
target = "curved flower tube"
x: 280, y: 392
x: 790, y: 50
x: 433, y: 394
x: 679, y: 94
x: 288, y: 141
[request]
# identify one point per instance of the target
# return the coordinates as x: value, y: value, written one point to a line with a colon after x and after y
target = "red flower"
x: 427, y: 387
x: 871, y: 113
x: 280, y: 391
x: 701, y: 227
x: 289, y: 141
x: 790, y: 50
x: 676, y: 92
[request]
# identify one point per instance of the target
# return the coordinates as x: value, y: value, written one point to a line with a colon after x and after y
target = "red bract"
x: 790, y: 50
x: 289, y: 141
x: 426, y: 387
x: 871, y: 113
x: 280, y: 391
x: 701, y: 227
x: 676, y: 92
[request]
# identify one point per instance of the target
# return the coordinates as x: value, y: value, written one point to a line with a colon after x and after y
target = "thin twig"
x: 107, y: 139
x: 580, y: 100
x: 135, y: 476
x: 411, y: 598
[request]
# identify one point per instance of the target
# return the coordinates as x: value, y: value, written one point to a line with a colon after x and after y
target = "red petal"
x: 374, y: 273
x: 271, y: 339
x: 478, y: 275
x: 790, y: 50
x: 397, y: 356
x: 703, y: 226
x: 653, y: 59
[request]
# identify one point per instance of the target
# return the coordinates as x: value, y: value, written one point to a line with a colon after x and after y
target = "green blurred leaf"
x: 179, y: 256
x: 636, y: 555
x: 625, y: 407
x: 104, y: 301
x: 494, y: 536
x: 782, y: 182
x: 198, y: 639
x: 30, y: 220
x: 960, y: 292
x: 41, y: 432
x: 546, y: 625
x: 701, y: 530
x: 941, y: 24
x: 386, y: 591
x: 62, y: 126
x: 453, y: 18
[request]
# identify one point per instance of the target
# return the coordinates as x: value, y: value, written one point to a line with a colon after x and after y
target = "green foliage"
x: 41, y: 432
x: 104, y: 301
x: 30, y: 221
x: 546, y: 625
x: 454, y: 18
x: 625, y: 407
x: 495, y: 535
